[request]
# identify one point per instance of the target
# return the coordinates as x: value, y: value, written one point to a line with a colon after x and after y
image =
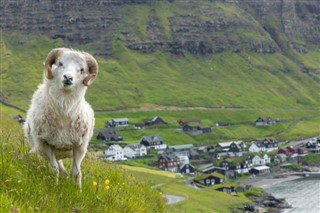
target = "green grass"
x: 204, y: 200
x: 296, y: 124
x: 134, y: 80
x: 27, y: 185
x: 311, y: 159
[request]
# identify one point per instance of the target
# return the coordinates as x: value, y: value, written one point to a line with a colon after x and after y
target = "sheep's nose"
x: 67, y: 80
x: 68, y: 77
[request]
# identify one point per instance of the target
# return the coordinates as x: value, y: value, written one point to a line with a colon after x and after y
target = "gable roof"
x: 169, y: 157
x: 135, y: 146
x: 120, y: 119
x: 183, y: 146
x: 150, y: 138
x: 214, y: 174
x: 115, y: 147
x: 227, y: 144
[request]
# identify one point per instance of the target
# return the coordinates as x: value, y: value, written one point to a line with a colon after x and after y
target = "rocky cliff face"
x: 196, y: 26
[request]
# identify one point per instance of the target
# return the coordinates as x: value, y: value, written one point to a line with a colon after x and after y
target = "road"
x: 171, y: 199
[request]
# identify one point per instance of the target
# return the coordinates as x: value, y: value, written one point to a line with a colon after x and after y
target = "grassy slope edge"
x: 27, y: 185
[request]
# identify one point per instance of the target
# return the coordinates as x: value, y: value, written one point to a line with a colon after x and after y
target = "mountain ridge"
x: 200, y: 53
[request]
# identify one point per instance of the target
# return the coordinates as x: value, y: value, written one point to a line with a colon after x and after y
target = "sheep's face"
x: 69, y: 71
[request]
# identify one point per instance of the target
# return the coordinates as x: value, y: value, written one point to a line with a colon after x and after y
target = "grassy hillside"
x: 26, y: 185
x: 132, y: 79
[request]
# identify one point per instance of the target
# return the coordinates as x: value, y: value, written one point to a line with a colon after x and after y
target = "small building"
x: 109, y: 136
x: 210, y: 179
x: 116, y: 122
x: 135, y: 150
x: 266, y: 145
x: 227, y: 189
x: 259, y: 121
x: 184, y: 149
x: 154, y: 121
x: 256, y: 160
x: 114, y: 153
x: 187, y: 168
x: 213, y: 169
x: 168, y: 162
x: 232, y: 146
x: 280, y: 158
x: 18, y: 118
x: 151, y: 141
x: 195, y: 130
x: 194, y: 155
x: 260, y: 170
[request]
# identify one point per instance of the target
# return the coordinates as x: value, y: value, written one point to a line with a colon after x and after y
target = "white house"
x: 135, y: 150
x: 118, y: 122
x: 232, y: 146
x: 256, y: 160
x: 263, y: 146
x: 114, y: 153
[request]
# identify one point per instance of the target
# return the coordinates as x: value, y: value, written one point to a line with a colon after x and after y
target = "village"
x: 205, y: 165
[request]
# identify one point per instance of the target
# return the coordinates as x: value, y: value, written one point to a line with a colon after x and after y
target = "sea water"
x: 302, y: 194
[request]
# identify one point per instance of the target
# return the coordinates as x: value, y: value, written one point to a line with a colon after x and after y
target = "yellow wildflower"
x: 94, y: 183
x: 107, y: 188
x: 107, y: 182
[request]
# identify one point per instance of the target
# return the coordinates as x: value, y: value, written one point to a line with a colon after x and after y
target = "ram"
x: 59, y: 123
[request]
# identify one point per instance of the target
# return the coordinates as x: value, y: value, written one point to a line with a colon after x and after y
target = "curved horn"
x: 51, y: 58
x: 93, y: 69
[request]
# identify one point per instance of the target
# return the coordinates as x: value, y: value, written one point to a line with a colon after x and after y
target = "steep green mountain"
x: 250, y: 53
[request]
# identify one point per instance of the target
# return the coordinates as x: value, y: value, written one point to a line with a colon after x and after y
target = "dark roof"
x: 169, y: 157
x: 260, y: 120
x: 267, y: 143
x: 151, y: 138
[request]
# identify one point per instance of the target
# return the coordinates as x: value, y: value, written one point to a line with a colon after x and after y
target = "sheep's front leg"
x: 78, y: 154
x: 48, y: 152
x: 62, y: 168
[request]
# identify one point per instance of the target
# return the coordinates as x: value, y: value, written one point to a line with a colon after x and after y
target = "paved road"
x: 171, y: 199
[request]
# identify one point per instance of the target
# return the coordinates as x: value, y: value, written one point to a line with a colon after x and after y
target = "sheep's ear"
x: 93, y: 69
x: 51, y: 58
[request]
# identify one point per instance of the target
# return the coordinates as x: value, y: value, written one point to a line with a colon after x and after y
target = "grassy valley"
x: 135, y: 80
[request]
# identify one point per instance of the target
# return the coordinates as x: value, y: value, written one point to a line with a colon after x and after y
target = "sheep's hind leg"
x: 48, y: 152
x: 62, y: 168
x: 78, y: 155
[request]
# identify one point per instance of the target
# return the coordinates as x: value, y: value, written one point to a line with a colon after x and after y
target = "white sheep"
x: 59, y: 123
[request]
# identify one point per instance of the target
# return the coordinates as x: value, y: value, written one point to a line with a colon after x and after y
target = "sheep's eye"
x: 60, y: 64
x: 81, y: 70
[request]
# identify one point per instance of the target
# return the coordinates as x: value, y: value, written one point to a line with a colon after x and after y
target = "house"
x: 184, y: 149
x: 266, y: 145
x: 213, y: 169
x: 210, y: 179
x: 154, y: 121
x: 259, y: 121
x: 260, y: 170
x: 187, y: 168
x: 256, y: 160
x: 232, y: 146
x: 270, y: 121
x: 195, y: 130
x: 118, y: 122
x: 168, y: 162
x: 109, y: 136
x: 194, y: 155
x: 135, y: 150
x: 227, y: 189
x: 152, y: 141
x: 114, y: 153
x: 18, y: 118
x: 280, y: 158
